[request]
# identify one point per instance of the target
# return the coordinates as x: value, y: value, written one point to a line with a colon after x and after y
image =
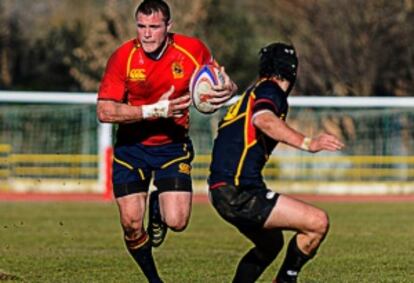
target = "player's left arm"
x: 279, y: 130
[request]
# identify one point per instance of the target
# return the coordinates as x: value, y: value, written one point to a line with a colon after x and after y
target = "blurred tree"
x: 33, y: 45
x: 188, y: 14
x: 87, y: 62
x: 346, y: 47
x: 349, y: 47
x: 7, y: 58
x: 116, y: 25
x: 229, y: 32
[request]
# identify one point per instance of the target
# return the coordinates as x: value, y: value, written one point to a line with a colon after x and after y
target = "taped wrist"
x: 306, y: 143
x: 156, y: 110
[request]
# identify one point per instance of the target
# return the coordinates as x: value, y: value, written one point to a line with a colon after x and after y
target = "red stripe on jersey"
x: 250, y: 129
x: 217, y: 185
x: 265, y: 100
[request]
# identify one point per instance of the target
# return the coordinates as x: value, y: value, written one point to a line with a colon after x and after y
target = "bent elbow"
x: 261, y: 123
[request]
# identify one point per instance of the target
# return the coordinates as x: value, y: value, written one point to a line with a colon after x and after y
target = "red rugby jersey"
x: 134, y: 78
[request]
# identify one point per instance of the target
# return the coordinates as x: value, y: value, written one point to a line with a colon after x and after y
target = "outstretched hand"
x: 325, y: 142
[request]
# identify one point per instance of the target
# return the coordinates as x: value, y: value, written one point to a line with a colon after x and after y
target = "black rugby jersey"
x: 241, y: 150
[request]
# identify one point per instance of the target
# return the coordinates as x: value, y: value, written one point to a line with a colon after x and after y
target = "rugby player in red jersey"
x: 246, y: 137
x: 145, y: 91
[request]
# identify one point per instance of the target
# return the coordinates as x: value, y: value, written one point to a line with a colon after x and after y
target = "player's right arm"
x: 109, y: 111
x: 277, y: 129
x: 267, y: 110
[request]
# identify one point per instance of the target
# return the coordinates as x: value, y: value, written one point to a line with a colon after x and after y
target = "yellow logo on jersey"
x: 233, y: 110
x: 184, y: 168
x: 177, y: 70
x: 137, y: 75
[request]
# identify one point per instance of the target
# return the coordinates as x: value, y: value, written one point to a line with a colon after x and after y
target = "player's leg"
x: 130, y: 183
x: 170, y: 205
x: 157, y: 229
x: 176, y: 209
x: 167, y: 209
x: 268, y: 244
x: 311, y: 224
x: 248, y: 209
x: 132, y: 211
x: 174, y: 206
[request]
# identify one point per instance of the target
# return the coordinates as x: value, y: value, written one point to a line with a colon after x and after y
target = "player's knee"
x: 320, y: 223
x: 131, y: 226
x: 176, y: 223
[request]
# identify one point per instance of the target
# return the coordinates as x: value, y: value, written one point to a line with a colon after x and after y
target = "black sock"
x: 141, y: 251
x: 252, y: 265
x: 292, y: 264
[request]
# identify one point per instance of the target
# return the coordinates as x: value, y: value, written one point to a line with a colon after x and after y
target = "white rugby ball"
x: 201, y: 82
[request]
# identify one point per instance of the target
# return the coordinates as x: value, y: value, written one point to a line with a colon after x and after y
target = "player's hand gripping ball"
x: 200, y: 85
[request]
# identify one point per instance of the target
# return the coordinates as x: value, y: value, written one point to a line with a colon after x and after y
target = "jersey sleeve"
x: 112, y: 86
x: 270, y: 97
x: 205, y: 56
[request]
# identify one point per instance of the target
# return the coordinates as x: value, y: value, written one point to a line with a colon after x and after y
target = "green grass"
x: 82, y: 242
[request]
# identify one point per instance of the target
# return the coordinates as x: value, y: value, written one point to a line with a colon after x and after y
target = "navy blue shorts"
x: 134, y: 166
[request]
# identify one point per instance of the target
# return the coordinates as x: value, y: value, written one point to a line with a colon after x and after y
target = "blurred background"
x: 347, y: 48
x: 356, y: 80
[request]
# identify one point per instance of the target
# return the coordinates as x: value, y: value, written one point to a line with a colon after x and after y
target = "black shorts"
x: 134, y: 167
x: 246, y: 208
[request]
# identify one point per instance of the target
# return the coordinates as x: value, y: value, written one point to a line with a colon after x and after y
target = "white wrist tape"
x: 306, y: 143
x: 156, y: 110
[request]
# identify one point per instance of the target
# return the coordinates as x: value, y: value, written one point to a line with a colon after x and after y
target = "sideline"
x: 199, y: 197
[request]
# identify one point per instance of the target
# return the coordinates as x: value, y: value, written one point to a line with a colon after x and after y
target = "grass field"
x: 82, y: 242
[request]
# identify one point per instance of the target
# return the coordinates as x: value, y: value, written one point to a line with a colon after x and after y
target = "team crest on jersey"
x: 184, y: 168
x: 137, y: 75
x: 177, y: 70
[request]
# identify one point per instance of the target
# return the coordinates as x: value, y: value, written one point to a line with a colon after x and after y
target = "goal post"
x: 52, y: 142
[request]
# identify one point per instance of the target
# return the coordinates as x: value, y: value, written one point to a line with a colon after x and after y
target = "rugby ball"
x: 201, y: 82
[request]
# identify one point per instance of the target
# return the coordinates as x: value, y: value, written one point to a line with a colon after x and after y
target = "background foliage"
x: 346, y: 47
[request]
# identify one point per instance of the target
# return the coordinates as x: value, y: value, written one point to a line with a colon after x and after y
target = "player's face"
x: 283, y: 84
x: 152, y: 30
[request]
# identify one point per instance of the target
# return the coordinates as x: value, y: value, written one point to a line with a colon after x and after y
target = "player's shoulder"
x: 125, y: 48
x: 270, y: 90
x: 188, y: 42
x: 268, y: 86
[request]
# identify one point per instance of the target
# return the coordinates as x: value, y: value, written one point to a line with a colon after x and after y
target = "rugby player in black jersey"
x: 246, y: 137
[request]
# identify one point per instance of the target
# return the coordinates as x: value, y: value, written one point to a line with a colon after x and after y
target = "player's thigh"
x: 131, y: 174
x: 173, y: 167
x: 132, y: 210
x: 175, y: 186
x: 293, y: 214
x: 175, y: 206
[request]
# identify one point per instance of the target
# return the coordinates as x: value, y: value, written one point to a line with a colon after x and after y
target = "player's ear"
x: 169, y: 25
